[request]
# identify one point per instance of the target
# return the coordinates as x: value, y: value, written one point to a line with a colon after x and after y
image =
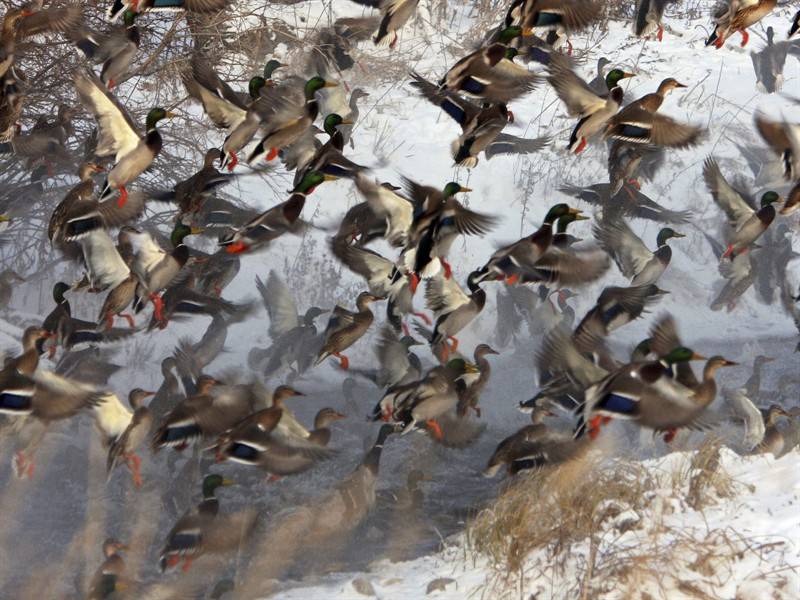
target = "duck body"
x: 738, y: 16
x: 345, y: 328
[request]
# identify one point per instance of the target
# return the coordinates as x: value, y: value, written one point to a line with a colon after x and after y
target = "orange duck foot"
x: 187, y: 564
x: 670, y: 435
x: 344, y: 362
x: 635, y: 183
x: 129, y: 318
x: 158, y: 307
x: 414, y: 283
x: 234, y: 160
x: 273, y: 152
x: 448, y: 270
x: 435, y: 428
x: 512, y: 279
x: 123, y: 197
x: 745, y: 37
x: 581, y: 146
x: 236, y: 248
x: 173, y: 560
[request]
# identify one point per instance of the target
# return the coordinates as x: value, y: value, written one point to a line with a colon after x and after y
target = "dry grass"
x: 593, y: 528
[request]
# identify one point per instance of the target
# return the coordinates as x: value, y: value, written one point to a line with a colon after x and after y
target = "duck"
x: 109, y: 579
x: 398, y: 365
x: 598, y: 84
x: 508, y: 262
x: 425, y: 400
x: 132, y: 437
x: 629, y: 202
x: 393, y: 209
x: 454, y: 309
x: 295, y: 338
x: 581, y: 101
x: 133, y: 153
x: 774, y: 442
x: 438, y: 220
x: 117, y: 300
x: 80, y: 213
x: 647, y: 18
x: 795, y: 24
x: 345, y: 328
x: 634, y: 259
x: 275, y: 221
x: 191, y: 194
x: 738, y: 16
x: 554, y: 18
x: 328, y: 158
x: 752, y: 386
x: 191, y: 6
x: 278, y: 455
x: 105, y: 267
x: 394, y: 14
x: 189, y: 537
x: 534, y: 446
x: 490, y: 73
x: 781, y: 137
x: 563, y: 239
x: 638, y: 125
x: 768, y: 64
x: 289, y: 121
x: 481, y: 126
x: 630, y: 163
x: 469, y: 398
x: 155, y: 268
x: 652, y: 102
x: 746, y: 224
x: 241, y: 115
x: 182, y: 300
x: 115, y: 50
x: 616, y: 307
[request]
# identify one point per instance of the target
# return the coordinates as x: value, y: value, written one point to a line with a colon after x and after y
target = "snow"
x: 761, y: 524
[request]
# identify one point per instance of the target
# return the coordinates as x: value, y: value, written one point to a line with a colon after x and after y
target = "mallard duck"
x: 738, y: 15
x: 490, y: 72
x: 425, y: 400
x: 397, y: 364
x: 191, y: 194
x: 278, y: 455
x: 345, y: 328
x: 388, y: 206
x: 653, y: 101
x: 648, y: 18
x: 154, y: 267
x: 507, y: 262
x: 80, y: 212
x: 615, y: 307
x: 556, y: 17
x: 782, y: 138
x: 109, y: 579
x: 328, y: 158
x: 468, y: 399
x: 117, y: 135
x: 638, y: 125
x: 768, y: 64
x: 629, y: 202
x: 191, y: 6
x: 648, y: 394
x: 132, y: 437
x: 746, y: 224
x: 598, y: 84
x: 534, y: 446
x: 454, y: 309
x: 288, y: 121
x: 213, y: 409
x: 199, y: 530
x: 295, y: 339
x: 184, y: 300
x: 774, y: 442
x: 438, y: 220
x: 275, y: 221
x: 394, y: 14
x: 115, y: 50
x: 563, y: 239
x: 241, y: 115
x: 634, y: 259
x: 481, y: 126
x: 581, y: 101
x: 629, y: 163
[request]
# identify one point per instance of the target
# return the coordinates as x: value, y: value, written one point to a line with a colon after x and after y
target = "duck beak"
x: 331, y: 84
x: 464, y: 190
x: 696, y: 356
x: 296, y: 393
x: 580, y: 217
x: 574, y: 211
x: 227, y: 482
x: 678, y: 235
x: 5, y: 219
x: 729, y: 363
x: 680, y: 85
x: 492, y: 351
x: 169, y: 114
x: 346, y: 122
x: 196, y: 230
x: 625, y: 75
x: 527, y: 31
x: 26, y: 12
x: 330, y: 177
x: 148, y: 394
x: 337, y: 416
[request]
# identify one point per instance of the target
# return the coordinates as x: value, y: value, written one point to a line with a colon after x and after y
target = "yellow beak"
x: 465, y: 189
x: 5, y: 219
x: 196, y: 230
x: 330, y: 177
x: 331, y: 84
x: 580, y: 217
x: 228, y: 482
x: 169, y: 114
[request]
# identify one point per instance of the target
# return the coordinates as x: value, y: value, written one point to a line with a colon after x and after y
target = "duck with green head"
x: 746, y: 223
x: 581, y: 101
x: 158, y: 269
x: 489, y: 73
x: 275, y: 221
x: 287, y: 125
x: 117, y: 137
x: 508, y: 262
x: 634, y: 259
x: 186, y: 541
x: 328, y: 158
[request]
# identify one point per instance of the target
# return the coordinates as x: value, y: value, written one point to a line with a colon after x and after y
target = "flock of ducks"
x: 276, y: 118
